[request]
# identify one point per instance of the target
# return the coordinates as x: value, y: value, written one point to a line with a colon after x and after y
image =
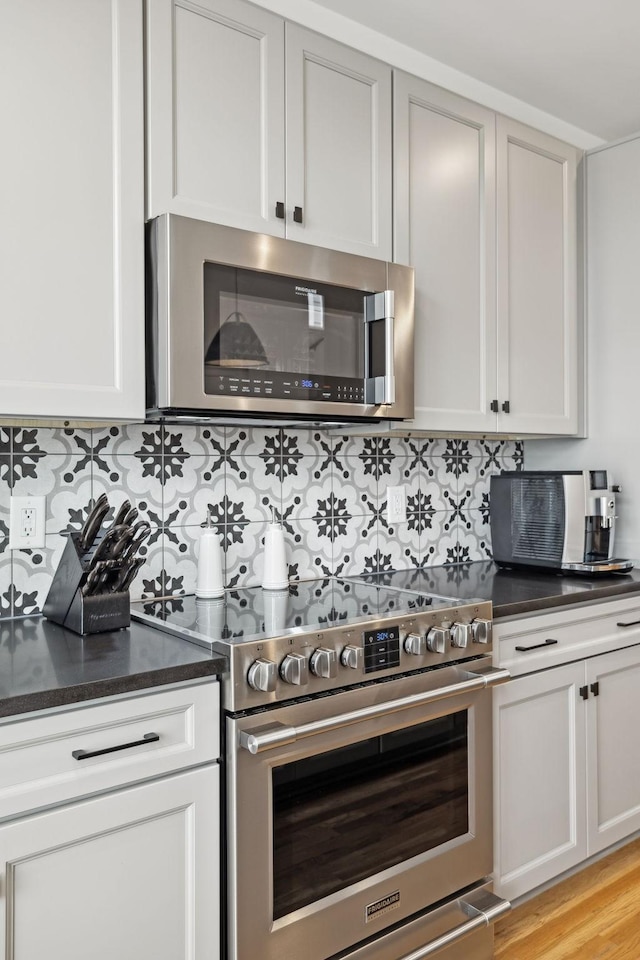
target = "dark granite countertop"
x: 515, y: 592
x: 43, y: 665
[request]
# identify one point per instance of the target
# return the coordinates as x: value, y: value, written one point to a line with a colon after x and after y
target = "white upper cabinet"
x: 537, y: 281
x: 444, y: 179
x: 71, y: 209
x: 338, y: 146
x: 485, y: 210
x: 215, y: 112
x: 236, y: 97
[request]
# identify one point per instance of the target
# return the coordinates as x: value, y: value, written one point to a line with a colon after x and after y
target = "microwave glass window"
x: 276, y: 336
x: 343, y: 816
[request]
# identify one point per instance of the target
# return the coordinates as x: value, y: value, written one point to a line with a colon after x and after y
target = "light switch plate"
x: 397, y: 504
x: 27, y: 523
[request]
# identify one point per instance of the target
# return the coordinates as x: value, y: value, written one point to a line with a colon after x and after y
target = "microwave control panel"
x: 283, y: 386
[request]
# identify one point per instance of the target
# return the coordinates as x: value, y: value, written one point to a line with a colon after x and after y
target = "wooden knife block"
x: 67, y: 605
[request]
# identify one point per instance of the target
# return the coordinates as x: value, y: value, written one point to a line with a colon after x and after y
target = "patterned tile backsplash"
x: 329, y: 490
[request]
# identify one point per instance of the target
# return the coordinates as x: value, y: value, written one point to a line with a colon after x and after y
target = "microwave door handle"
x: 379, y: 308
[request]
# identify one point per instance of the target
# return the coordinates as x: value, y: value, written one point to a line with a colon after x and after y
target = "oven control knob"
x: 324, y: 663
x: 437, y: 639
x: 263, y: 675
x: 351, y: 657
x: 460, y: 634
x: 294, y: 669
x: 481, y: 630
x: 415, y: 643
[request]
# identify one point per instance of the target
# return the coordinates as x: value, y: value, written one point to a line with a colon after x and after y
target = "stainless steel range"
x: 358, y: 769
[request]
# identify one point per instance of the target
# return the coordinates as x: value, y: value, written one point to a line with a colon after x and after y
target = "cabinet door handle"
x: 280, y: 210
x: 595, y: 688
x: 506, y: 406
x: 85, y: 754
x: 494, y: 406
x: 632, y: 623
x: 584, y: 692
x: 537, y: 646
x: 297, y: 214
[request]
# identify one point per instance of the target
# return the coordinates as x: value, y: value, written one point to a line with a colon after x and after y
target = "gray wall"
x: 613, y: 338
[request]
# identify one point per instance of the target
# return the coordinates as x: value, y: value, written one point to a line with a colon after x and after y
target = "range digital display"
x: 381, y: 649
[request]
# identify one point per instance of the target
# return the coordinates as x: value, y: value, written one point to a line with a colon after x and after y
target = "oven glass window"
x: 342, y: 816
x: 269, y: 335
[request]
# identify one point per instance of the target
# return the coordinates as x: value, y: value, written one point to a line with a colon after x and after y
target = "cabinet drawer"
x: 537, y: 642
x: 50, y: 759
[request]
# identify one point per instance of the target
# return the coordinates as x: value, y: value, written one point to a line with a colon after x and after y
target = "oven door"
x: 352, y: 812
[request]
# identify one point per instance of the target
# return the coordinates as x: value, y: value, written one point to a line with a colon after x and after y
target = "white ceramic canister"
x: 275, y: 572
x: 210, y: 581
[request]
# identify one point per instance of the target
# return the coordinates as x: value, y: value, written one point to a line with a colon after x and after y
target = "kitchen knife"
x: 137, y: 535
x: 128, y: 574
x: 98, y: 577
x: 123, y: 547
x: 122, y: 513
x: 93, y: 522
x: 131, y: 517
x: 104, y: 550
x: 126, y: 546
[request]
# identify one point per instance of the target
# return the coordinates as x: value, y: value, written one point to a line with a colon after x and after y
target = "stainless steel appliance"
x: 256, y: 326
x: 358, y: 770
x: 559, y: 520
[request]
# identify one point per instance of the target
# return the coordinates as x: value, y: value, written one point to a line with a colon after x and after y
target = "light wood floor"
x: 594, y: 915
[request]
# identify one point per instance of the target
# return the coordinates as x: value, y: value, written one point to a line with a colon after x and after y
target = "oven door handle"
x: 280, y: 734
x: 477, y: 918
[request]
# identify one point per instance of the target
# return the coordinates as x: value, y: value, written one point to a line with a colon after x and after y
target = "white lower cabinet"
x: 129, y: 867
x: 131, y: 875
x: 539, y: 769
x: 566, y: 746
x: 613, y: 748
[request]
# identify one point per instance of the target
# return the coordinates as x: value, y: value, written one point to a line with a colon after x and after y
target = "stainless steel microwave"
x: 249, y: 325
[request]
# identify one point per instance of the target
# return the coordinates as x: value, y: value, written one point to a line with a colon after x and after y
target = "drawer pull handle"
x: 85, y: 754
x: 632, y: 623
x: 536, y: 646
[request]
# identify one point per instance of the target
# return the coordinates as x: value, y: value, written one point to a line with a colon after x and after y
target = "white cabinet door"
x: 132, y: 875
x: 613, y: 744
x: 295, y: 145
x: 215, y: 120
x: 539, y: 778
x: 537, y: 281
x: 338, y: 135
x: 444, y: 226
x: 71, y: 206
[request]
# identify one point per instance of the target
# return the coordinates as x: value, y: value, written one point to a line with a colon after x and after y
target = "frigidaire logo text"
x: 303, y: 291
x: 373, y: 910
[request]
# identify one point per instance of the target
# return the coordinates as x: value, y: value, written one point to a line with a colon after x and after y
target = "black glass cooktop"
x: 423, y: 581
x: 307, y: 605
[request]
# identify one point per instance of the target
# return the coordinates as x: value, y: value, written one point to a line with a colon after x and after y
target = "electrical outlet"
x: 27, y: 523
x: 397, y: 504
